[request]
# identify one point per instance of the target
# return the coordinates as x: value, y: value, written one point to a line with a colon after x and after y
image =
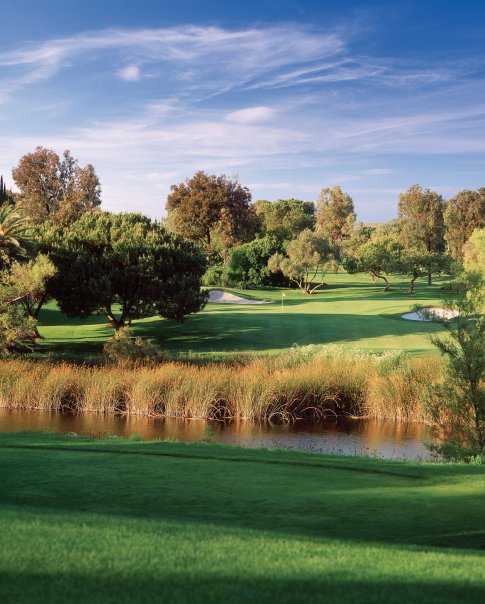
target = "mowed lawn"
x: 124, y: 521
x: 352, y: 312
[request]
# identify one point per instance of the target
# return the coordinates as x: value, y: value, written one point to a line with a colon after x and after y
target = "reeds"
x: 304, y: 384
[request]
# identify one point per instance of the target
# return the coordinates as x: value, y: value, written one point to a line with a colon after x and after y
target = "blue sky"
x: 287, y: 96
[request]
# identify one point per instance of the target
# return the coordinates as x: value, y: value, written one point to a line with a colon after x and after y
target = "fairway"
x: 352, y: 312
x: 124, y: 521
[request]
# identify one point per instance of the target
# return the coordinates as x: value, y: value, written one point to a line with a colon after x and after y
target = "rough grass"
x: 303, y: 384
x: 352, y: 312
x: 116, y: 521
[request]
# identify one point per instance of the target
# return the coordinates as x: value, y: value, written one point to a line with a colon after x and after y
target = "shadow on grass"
x: 282, y: 494
x: 53, y: 317
x: 179, y: 587
x: 229, y: 329
x: 260, y: 330
x: 252, y: 328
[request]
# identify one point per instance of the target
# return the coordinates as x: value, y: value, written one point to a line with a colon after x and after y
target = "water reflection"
x: 355, y: 437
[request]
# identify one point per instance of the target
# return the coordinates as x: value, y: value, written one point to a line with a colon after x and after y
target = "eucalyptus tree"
x: 463, y: 214
x: 335, y: 215
x: 421, y: 224
x: 285, y: 219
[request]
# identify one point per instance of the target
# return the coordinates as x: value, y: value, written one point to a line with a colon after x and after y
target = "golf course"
x: 352, y: 311
x: 242, y: 302
x: 126, y: 521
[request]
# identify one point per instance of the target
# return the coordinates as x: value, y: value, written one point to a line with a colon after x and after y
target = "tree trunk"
x: 383, y: 277
x: 412, y: 285
x: 430, y: 278
x: 36, y: 333
x: 116, y: 323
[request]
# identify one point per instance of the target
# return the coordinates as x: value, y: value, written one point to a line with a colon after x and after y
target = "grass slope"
x: 123, y: 521
x: 352, y: 312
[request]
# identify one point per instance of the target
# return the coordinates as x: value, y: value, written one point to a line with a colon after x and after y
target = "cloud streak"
x: 224, y: 58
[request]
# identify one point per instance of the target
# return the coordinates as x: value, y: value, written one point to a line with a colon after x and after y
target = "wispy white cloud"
x: 223, y: 58
x: 130, y: 73
x: 251, y: 115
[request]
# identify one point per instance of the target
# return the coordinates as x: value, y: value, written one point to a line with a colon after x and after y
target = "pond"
x: 390, y: 440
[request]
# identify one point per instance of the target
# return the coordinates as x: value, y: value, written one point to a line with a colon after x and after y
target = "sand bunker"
x: 430, y: 314
x: 219, y: 296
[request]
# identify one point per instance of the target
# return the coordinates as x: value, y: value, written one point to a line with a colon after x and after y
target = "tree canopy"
x: 125, y: 266
x: 28, y: 283
x: 55, y: 188
x: 474, y: 253
x: 376, y: 251
x: 420, y: 215
x: 209, y: 209
x: 285, y: 218
x: 335, y: 214
x: 304, y: 261
x: 248, y: 263
x: 463, y: 214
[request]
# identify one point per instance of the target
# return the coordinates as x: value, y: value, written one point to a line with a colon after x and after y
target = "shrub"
x: 458, y: 409
x: 215, y: 276
x: 125, y: 348
x: 248, y: 264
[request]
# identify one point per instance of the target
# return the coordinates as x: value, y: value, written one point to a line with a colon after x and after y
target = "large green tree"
x: 211, y: 210
x: 55, y: 188
x: 285, y: 219
x: 125, y: 266
x: 335, y: 216
x: 421, y: 224
x: 463, y: 214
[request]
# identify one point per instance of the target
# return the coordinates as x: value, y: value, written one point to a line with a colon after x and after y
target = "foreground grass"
x: 352, y: 312
x: 120, y: 521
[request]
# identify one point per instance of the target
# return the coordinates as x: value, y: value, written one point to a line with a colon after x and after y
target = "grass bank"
x: 117, y: 521
x: 305, y: 383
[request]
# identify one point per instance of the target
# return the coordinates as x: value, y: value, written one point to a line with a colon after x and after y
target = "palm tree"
x: 14, y: 233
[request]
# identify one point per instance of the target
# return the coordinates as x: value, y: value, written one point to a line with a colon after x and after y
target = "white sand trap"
x: 430, y: 314
x: 219, y: 296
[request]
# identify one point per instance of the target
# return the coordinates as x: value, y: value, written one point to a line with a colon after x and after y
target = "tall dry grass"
x: 301, y: 384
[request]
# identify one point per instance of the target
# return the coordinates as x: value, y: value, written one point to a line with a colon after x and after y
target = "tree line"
x: 291, y: 241
x: 57, y: 242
